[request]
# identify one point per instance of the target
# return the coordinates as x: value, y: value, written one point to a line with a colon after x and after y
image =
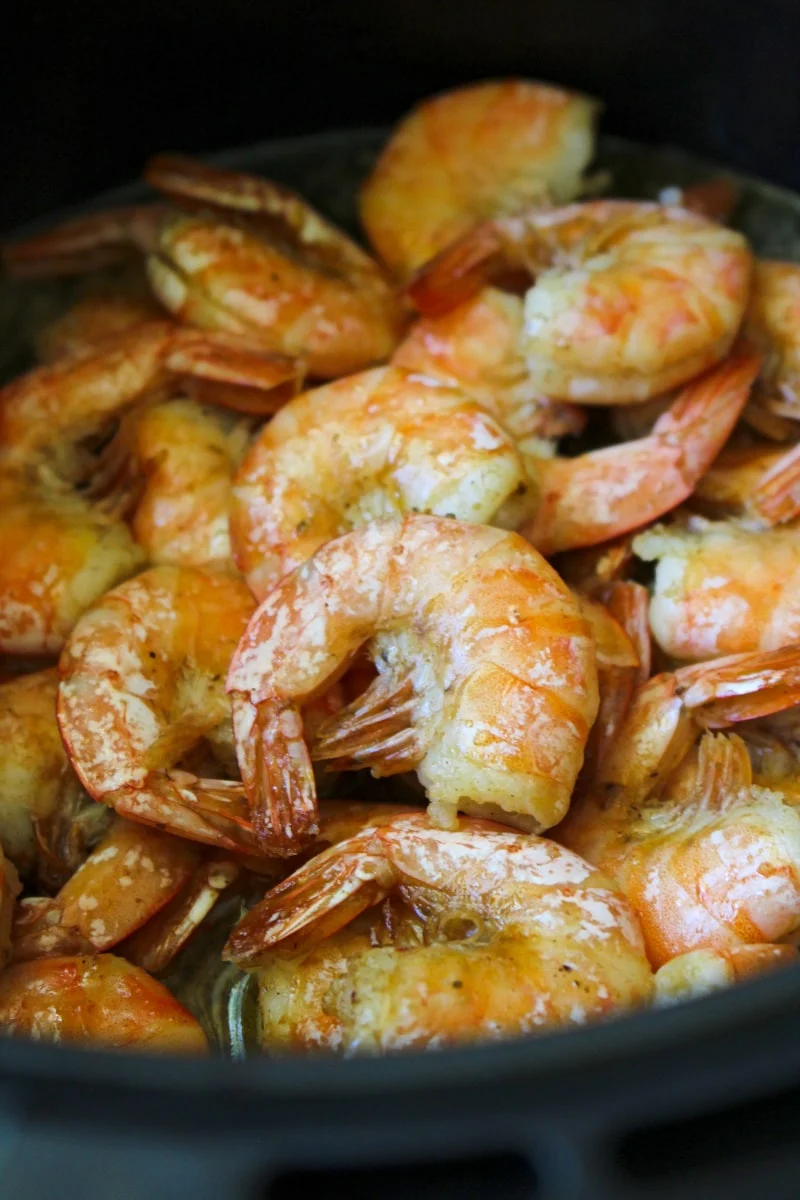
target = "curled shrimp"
x: 706, y: 857
x: 100, y: 1000
x: 184, y: 455
x: 380, y: 444
x: 471, y: 154
x: 256, y: 261
x: 142, y: 683
x: 38, y: 789
x: 60, y: 552
x: 629, y: 299
x: 478, y: 347
x: 483, y: 932
x: 586, y: 500
x: 486, y: 676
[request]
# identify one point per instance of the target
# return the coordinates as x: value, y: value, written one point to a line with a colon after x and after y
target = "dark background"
x: 89, y: 89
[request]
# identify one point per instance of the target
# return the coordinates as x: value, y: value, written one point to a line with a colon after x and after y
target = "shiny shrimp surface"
x: 384, y: 443
x: 484, y: 933
x: 628, y: 300
x: 486, y: 686
x: 471, y: 154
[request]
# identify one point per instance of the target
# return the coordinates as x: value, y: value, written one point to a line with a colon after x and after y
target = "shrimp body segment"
x: 487, y: 680
x: 471, y: 154
x: 143, y: 683
x: 101, y: 1000
x: 483, y: 933
x: 186, y: 454
x: 629, y: 299
x: 381, y: 444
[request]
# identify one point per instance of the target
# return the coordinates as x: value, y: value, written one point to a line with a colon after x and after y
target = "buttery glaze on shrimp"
x: 484, y: 933
x: 471, y: 154
x: 380, y: 444
x: 184, y: 455
x: 91, y: 320
x: 629, y: 299
x: 487, y: 682
x: 699, y: 972
x: 100, y: 1000
x: 142, y: 683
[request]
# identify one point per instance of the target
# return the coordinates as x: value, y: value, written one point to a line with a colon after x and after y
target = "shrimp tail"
x: 776, y: 497
x: 155, y: 945
x: 717, y: 776
x: 628, y: 604
x: 279, y: 782
x: 458, y: 272
x: 203, y: 810
x: 254, y: 381
x: 374, y: 730
x: 600, y: 495
x: 741, y: 687
x: 315, y: 902
x: 86, y: 243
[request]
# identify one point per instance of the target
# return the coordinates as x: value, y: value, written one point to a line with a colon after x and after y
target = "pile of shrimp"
x: 277, y: 510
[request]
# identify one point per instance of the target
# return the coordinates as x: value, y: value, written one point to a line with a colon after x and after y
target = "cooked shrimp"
x: 60, y: 405
x: 486, y: 676
x: 472, y: 154
x: 142, y: 682
x: 712, y: 861
x: 9, y: 890
x: 629, y: 300
x: 773, y: 324
x: 91, y: 320
x: 478, y: 348
x: 700, y: 972
x: 185, y: 454
x: 722, y: 589
x: 139, y: 887
x: 38, y: 788
x: 380, y: 444
x: 59, y: 554
x: 596, y: 496
x: 485, y: 933
x: 100, y: 1000
x: 264, y: 266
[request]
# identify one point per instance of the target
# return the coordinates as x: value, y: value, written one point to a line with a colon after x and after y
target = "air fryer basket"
x: 698, y: 1101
